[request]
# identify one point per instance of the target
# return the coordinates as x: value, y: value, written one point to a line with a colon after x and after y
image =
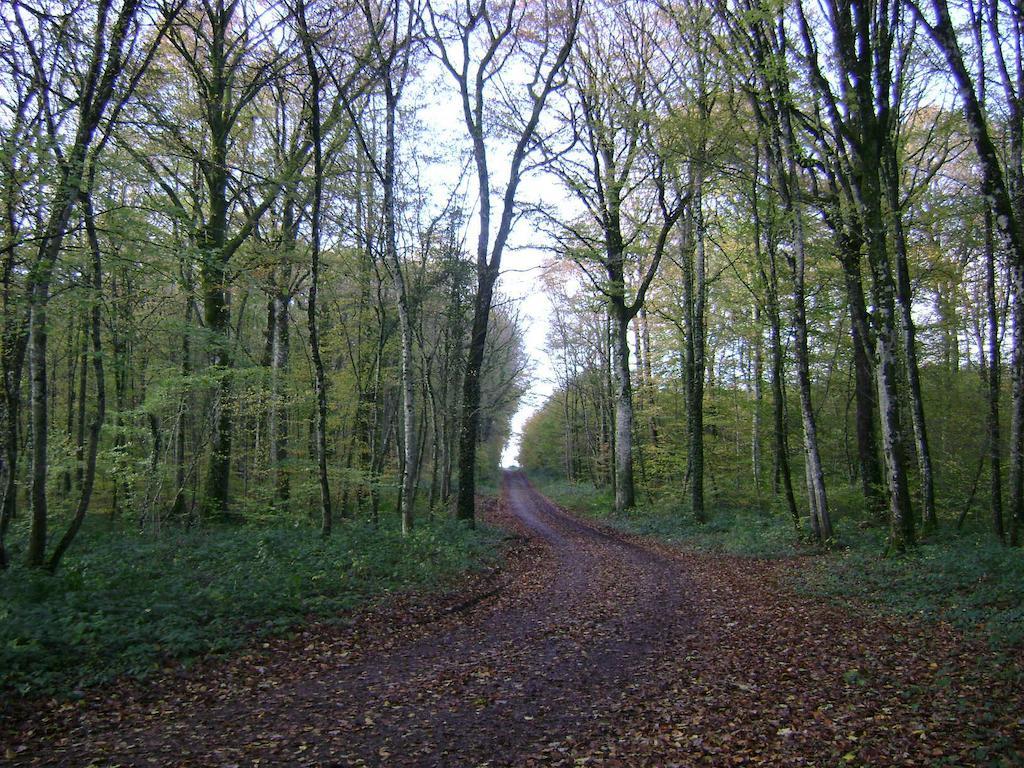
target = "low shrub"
x: 126, y: 603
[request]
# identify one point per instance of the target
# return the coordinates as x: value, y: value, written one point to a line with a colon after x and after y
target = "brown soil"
x: 587, y: 648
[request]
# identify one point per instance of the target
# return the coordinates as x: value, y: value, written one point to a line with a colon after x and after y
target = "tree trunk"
x: 277, y: 422
x: 870, y: 469
x: 796, y: 257
x: 80, y: 433
x: 883, y: 292
x: 890, y: 178
x: 466, y: 499
x: 697, y: 345
x: 180, y: 476
x: 758, y: 386
x: 39, y: 420
x: 320, y: 382
x: 102, y: 73
x: 409, y: 468
x: 820, y: 519
x: 770, y: 282
x: 625, y: 491
x: 992, y: 369
x: 213, y: 287
x: 1015, y: 507
x: 89, y: 476
x: 73, y: 359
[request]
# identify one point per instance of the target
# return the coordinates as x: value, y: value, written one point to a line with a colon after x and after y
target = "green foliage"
x: 736, y: 532
x: 128, y: 603
x: 969, y: 580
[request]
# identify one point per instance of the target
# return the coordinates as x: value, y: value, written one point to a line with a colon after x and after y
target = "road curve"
x: 509, y: 680
x: 587, y: 649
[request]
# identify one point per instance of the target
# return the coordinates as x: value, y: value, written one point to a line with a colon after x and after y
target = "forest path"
x: 593, y: 649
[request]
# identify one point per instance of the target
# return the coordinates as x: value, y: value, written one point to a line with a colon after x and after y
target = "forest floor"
x: 588, y: 647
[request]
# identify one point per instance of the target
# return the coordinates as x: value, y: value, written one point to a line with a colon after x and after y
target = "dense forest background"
x: 243, y: 284
x: 794, y: 282
x: 260, y: 355
x: 230, y: 291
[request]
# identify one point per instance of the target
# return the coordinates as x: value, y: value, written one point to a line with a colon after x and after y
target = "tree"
x: 1002, y: 185
x: 767, y: 47
x: 475, y: 42
x: 391, y: 42
x: 315, y: 129
x: 615, y: 164
x: 109, y: 67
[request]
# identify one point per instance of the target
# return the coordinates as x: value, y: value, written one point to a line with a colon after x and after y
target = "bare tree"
x: 477, y: 42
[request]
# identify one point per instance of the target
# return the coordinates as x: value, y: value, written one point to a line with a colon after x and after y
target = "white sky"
x: 522, y: 262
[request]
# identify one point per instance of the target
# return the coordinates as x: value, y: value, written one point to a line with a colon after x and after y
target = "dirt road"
x: 592, y: 649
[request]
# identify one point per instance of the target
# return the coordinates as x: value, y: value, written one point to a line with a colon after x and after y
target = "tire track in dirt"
x: 588, y: 648
x: 506, y: 680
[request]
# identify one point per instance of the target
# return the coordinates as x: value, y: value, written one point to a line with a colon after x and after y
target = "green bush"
x: 126, y: 603
x: 740, y: 532
x: 969, y: 580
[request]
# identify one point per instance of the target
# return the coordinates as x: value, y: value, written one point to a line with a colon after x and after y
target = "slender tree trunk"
x: 693, y: 256
x: 13, y: 365
x: 697, y: 343
x: 278, y: 419
x: 817, y: 499
x: 73, y: 359
x: 468, y: 429
x: 89, y: 477
x: 781, y: 472
x: 180, y: 475
x: 694, y: 420
x: 796, y: 257
x: 992, y: 369
x: 902, y: 532
x: 39, y: 421
x: 8, y: 420
x: 1015, y: 507
x: 409, y: 467
x: 758, y: 387
x: 315, y: 125
x: 39, y: 296
x: 80, y: 433
x: 625, y: 491
x: 890, y: 178
x: 870, y: 469
x: 645, y: 346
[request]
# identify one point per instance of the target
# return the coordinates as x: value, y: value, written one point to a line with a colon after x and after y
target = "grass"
x: 969, y: 580
x: 127, y: 603
x: 966, y: 578
x: 729, y: 530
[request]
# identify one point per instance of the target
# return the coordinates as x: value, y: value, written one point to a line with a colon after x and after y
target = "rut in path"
x: 509, y: 679
x: 593, y: 649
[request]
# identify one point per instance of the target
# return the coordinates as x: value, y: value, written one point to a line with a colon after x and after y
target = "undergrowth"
x: 126, y: 602
x: 965, y: 578
x: 730, y: 530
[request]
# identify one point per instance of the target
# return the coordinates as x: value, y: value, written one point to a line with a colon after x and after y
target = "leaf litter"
x: 585, y: 648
